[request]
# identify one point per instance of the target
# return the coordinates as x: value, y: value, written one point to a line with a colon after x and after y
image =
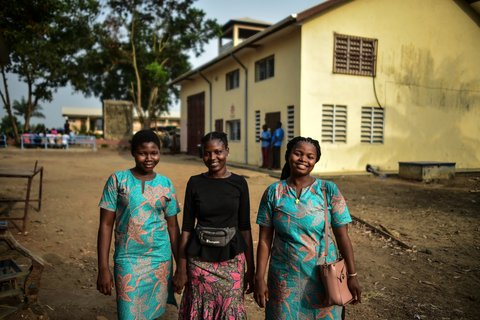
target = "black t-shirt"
x: 216, y: 203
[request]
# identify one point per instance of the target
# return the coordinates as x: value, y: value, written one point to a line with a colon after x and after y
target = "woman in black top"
x: 212, y: 268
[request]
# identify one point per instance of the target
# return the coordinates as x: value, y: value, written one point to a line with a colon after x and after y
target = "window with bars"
x: 257, y: 126
x: 290, y: 123
x: 372, y: 125
x: 354, y: 55
x: 232, y: 79
x: 265, y: 68
x: 334, y: 123
x: 233, y: 130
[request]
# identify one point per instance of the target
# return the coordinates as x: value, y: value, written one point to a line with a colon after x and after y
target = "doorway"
x: 195, y: 122
x: 271, y: 120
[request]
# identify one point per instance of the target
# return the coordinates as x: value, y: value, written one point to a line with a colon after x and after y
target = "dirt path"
x: 439, y: 279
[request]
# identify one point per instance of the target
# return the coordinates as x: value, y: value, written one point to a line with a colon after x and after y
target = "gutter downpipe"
x: 246, y: 105
x: 209, y: 96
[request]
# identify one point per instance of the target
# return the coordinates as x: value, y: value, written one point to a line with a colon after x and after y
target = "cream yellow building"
x: 375, y: 81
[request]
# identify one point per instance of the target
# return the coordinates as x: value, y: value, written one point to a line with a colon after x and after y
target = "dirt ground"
x: 438, y: 279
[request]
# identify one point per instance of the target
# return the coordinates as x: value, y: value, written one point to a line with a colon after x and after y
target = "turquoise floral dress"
x: 143, y: 255
x: 298, y: 246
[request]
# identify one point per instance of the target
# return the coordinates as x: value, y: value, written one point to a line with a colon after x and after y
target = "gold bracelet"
x: 349, y: 275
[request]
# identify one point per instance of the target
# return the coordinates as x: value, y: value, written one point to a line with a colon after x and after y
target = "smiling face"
x: 215, y: 157
x: 302, y: 159
x: 147, y: 156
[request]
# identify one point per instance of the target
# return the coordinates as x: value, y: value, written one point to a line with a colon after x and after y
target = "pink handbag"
x: 333, y: 275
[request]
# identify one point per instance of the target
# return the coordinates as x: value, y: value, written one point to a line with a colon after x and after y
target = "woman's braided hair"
x: 290, y: 145
x: 215, y: 135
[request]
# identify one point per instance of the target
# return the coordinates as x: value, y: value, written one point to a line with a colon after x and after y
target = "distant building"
x: 92, y: 120
x: 375, y: 81
x: 84, y: 119
x: 166, y: 122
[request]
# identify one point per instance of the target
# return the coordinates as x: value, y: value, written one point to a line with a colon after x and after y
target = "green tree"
x: 43, y: 39
x: 141, y: 46
x: 38, y: 128
x: 6, y: 126
x: 22, y: 109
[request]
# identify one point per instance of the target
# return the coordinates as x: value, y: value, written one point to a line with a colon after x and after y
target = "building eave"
x: 320, y: 8
x: 245, y: 44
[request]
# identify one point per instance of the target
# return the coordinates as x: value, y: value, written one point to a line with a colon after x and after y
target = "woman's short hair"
x: 143, y: 136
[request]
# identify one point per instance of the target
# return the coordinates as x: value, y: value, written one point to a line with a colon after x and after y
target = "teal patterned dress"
x: 143, y: 255
x: 298, y: 246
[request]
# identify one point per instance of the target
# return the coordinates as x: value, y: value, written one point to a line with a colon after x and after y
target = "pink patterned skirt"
x: 214, y: 290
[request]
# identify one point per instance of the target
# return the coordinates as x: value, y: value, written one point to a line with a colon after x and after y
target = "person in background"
x: 143, y: 207
x: 277, y: 139
x: 212, y: 269
x: 65, y: 138
x: 66, y: 127
x: 265, y: 138
x: 291, y: 216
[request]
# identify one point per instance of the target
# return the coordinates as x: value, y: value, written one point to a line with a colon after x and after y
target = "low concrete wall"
x: 427, y: 170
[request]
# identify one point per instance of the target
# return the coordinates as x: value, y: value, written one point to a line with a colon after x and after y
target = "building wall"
x: 279, y: 92
x: 428, y: 81
x: 270, y: 95
x: 76, y: 123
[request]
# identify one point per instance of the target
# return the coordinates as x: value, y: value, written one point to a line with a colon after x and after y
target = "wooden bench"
x: 426, y: 171
x: 29, y: 175
x: 20, y: 283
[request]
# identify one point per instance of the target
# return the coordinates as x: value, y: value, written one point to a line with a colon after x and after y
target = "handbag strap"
x: 325, y: 209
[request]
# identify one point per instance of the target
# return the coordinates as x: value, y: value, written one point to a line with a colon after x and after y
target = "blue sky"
x: 223, y: 10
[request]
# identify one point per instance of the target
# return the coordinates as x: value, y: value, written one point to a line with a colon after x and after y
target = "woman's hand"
x: 180, y: 280
x: 105, y: 281
x: 355, y: 289
x: 249, y: 284
x: 261, y: 293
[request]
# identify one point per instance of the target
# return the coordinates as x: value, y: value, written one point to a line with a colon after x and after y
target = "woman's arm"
x: 104, y: 239
x: 263, y: 253
x: 346, y: 250
x: 249, y: 283
x: 244, y: 225
x: 181, y: 277
x: 174, y: 233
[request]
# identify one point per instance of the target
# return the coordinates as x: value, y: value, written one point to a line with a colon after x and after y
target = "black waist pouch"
x: 215, y: 237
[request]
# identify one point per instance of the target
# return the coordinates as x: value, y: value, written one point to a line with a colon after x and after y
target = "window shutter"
x: 372, y: 125
x: 334, y: 123
x: 354, y: 55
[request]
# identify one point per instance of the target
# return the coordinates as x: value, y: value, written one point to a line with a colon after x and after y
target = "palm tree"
x: 21, y: 109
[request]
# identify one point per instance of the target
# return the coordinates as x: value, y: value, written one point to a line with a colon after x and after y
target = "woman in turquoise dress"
x: 291, y: 216
x: 142, y: 206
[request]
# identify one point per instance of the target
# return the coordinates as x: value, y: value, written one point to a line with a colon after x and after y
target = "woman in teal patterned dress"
x: 143, y: 207
x: 291, y: 216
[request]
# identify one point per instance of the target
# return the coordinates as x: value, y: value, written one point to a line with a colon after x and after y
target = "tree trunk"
x: 8, y: 107
x: 28, y: 107
x: 137, y: 87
